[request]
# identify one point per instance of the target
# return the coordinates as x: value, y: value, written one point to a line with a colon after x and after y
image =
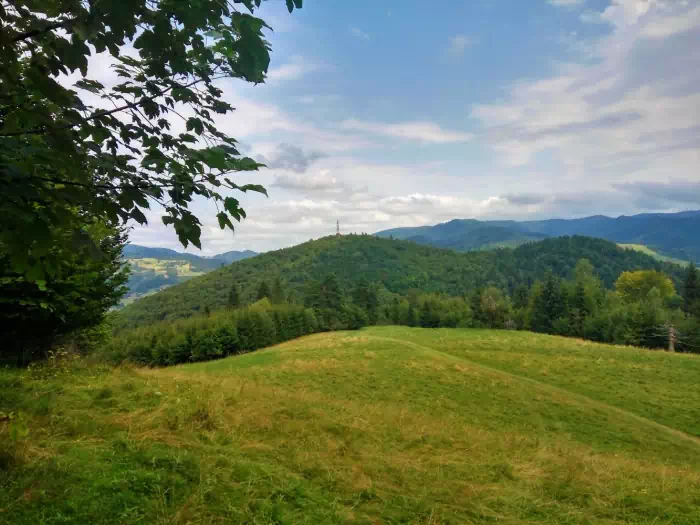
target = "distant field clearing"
x: 645, y: 249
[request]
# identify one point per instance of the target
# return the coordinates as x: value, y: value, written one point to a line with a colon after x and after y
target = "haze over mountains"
x: 671, y: 234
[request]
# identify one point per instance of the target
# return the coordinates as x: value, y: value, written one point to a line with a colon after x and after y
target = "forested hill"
x: 671, y: 234
x: 399, y: 265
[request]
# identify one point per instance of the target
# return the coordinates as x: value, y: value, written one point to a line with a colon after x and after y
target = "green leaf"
x: 89, y: 85
x: 138, y: 216
x: 215, y: 158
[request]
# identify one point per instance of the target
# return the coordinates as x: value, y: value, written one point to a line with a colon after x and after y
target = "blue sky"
x: 399, y: 113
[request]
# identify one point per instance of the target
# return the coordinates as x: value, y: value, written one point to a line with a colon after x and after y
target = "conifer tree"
x: 691, y: 290
x: 548, y: 305
x: 234, y: 299
x: 263, y: 291
x: 278, y: 295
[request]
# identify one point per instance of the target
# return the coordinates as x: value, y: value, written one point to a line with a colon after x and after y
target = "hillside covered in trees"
x: 398, y: 266
x: 671, y: 234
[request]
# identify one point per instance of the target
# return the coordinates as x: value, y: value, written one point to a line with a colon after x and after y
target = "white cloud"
x: 628, y: 12
x: 630, y: 111
x: 592, y: 17
x: 322, y: 182
x: 427, y: 132
x: 672, y: 25
x: 295, y: 69
x: 359, y: 33
x: 565, y: 3
x: 253, y: 121
x: 458, y: 44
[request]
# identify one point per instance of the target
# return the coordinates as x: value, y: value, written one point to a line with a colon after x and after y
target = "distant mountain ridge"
x: 672, y: 234
x: 153, y: 269
x: 135, y: 251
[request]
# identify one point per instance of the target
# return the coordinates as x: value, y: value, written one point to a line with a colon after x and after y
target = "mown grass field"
x: 385, y: 425
x: 161, y: 267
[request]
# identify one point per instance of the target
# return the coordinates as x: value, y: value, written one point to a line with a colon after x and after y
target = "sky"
x: 390, y: 113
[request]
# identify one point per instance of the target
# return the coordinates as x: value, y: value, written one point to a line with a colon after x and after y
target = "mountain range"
x: 674, y: 235
x: 153, y: 269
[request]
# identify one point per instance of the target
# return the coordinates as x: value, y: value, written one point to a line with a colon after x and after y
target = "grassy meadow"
x: 656, y: 255
x: 384, y: 425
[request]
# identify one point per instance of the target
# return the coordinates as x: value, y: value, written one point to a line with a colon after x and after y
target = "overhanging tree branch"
x: 107, y: 113
x: 36, y: 32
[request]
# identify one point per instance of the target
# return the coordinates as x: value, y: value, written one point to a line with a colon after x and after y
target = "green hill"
x: 673, y: 235
x: 399, y: 266
x: 385, y: 425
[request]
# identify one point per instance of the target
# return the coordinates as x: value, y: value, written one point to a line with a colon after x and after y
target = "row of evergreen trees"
x: 213, y: 335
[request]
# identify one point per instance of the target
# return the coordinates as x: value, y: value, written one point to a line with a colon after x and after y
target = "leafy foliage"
x: 636, y: 286
x: 111, y: 151
x: 89, y: 281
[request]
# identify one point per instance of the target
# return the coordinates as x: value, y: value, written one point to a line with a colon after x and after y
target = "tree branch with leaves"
x: 109, y: 152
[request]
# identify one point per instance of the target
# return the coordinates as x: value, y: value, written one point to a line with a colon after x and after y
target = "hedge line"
x: 220, y: 334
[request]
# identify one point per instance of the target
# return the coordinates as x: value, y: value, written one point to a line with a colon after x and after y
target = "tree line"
x: 639, y: 311
x: 400, y: 267
x: 212, y: 335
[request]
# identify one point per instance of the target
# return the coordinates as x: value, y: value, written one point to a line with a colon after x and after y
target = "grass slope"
x: 645, y: 249
x: 399, y: 265
x: 386, y: 425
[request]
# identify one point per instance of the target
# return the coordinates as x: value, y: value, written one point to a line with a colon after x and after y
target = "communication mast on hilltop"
x: 337, y: 228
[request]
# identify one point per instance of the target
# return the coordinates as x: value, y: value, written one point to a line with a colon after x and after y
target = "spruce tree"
x: 548, y: 305
x: 234, y: 298
x: 579, y: 309
x: 278, y: 295
x: 263, y: 291
x: 691, y: 290
x: 411, y: 315
x: 366, y: 297
x: 331, y: 294
x: 521, y: 297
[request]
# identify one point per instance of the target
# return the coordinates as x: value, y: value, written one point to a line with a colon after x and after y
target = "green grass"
x: 161, y: 267
x: 385, y: 425
x: 648, y: 251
